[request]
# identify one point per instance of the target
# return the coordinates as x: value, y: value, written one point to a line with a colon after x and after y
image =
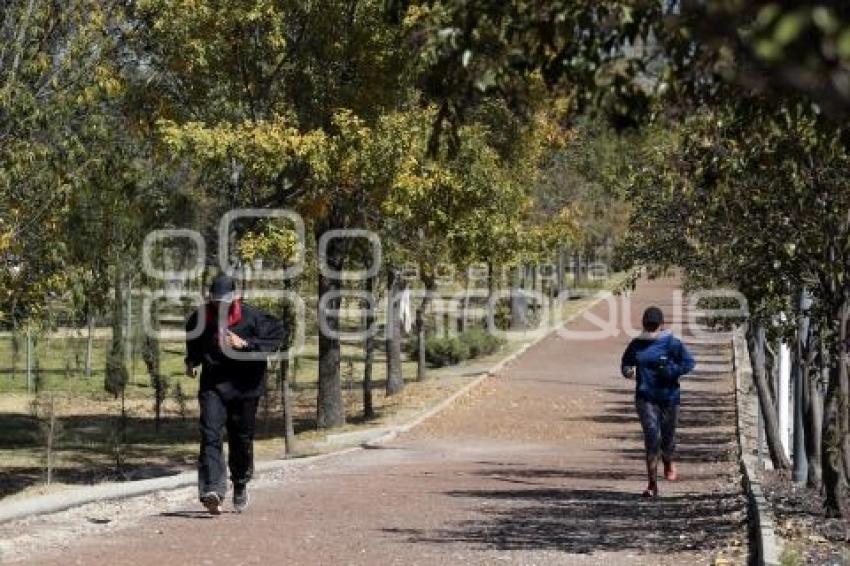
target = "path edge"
x: 62, y: 501
x: 760, y: 515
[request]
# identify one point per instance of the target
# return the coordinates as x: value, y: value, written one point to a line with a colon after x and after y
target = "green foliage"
x: 55, y: 73
x: 473, y: 49
x: 711, y: 182
x: 462, y: 206
x: 480, y: 342
x: 685, y: 52
x: 273, y: 242
x: 443, y: 351
x: 578, y: 201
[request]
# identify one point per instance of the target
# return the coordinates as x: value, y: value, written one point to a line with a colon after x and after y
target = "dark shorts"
x: 659, y: 427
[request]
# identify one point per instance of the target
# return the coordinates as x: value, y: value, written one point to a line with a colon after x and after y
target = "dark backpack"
x: 663, y: 372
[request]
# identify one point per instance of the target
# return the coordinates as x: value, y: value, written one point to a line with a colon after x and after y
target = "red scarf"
x: 234, y: 315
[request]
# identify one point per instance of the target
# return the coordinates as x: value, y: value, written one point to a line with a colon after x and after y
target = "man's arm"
x: 683, y: 361
x: 194, y: 353
x: 269, y: 334
x: 628, y: 364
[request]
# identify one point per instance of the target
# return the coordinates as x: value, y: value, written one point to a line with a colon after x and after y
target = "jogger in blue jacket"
x: 656, y: 360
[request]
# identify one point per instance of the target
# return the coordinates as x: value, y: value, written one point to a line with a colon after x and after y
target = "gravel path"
x: 542, y: 464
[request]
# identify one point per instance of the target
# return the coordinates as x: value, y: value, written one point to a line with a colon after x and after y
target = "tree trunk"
x: 813, y: 360
x: 560, y: 275
x: 89, y: 339
x: 842, y: 361
x: 420, y: 328
x: 771, y: 363
x: 535, y: 308
x: 369, y: 358
x: 833, y: 469
x: 151, y: 356
x: 395, y: 379
x: 491, y: 285
x: 801, y: 463
x: 420, y: 344
x: 577, y: 270
x: 29, y: 360
x: 818, y: 376
x: 768, y: 408
x: 286, y: 372
x: 535, y: 277
x: 464, y: 311
x: 519, y: 304
x: 834, y: 438
x: 16, y: 344
x: 813, y: 435
x: 128, y: 331
x: 286, y: 403
x: 51, y: 434
x: 115, y: 378
x: 330, y: 410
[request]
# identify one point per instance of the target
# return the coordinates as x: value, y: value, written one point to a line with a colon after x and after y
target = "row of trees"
x: 117, y: 119
x: 755, y: 199
x: 750, y: 190
x: 742, y: 106
x: 428, y: 122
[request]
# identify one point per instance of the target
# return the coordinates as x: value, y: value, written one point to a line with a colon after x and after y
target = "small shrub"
x: 502, y: 315
x: 180, y: 399
x: 450, y: 350
x: 445, y: 351
x: 480, y: 342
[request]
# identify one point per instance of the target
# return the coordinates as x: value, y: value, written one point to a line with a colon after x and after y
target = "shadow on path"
x: 584, y: 521
x: 535, y: 511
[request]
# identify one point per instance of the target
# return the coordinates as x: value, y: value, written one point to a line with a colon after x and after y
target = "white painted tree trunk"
x: 784, y: 395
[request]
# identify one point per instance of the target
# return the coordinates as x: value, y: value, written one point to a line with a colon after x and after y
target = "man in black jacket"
x: 231, y: 342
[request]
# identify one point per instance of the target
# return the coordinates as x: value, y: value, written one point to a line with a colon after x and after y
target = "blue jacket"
x: 660, y: 361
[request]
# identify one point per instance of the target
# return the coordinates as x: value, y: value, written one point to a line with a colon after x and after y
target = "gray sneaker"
x: 212, y: 501
x: 240, y: 497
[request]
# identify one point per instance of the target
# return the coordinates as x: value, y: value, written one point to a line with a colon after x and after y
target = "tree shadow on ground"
x: 188, y: 514
x: 86, y: 451
x: 531, y: 515
x: 699, y: 409
x: 580, y: 521
x: 516, y: 474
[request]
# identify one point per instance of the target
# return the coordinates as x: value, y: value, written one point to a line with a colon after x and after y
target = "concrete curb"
x: 54, y: 503
x: 768, y: 544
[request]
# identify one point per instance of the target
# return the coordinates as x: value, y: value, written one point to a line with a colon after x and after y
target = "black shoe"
x: 212, y: 501
x: 240, y: 497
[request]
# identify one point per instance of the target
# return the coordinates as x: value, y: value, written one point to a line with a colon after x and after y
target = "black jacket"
x: 234, y: 377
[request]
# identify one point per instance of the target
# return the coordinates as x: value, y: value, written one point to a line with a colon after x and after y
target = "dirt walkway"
x: 541, y: 465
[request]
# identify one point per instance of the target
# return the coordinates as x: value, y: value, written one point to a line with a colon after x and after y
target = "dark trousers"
x: 238, y: 416
x: 659, y: 427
